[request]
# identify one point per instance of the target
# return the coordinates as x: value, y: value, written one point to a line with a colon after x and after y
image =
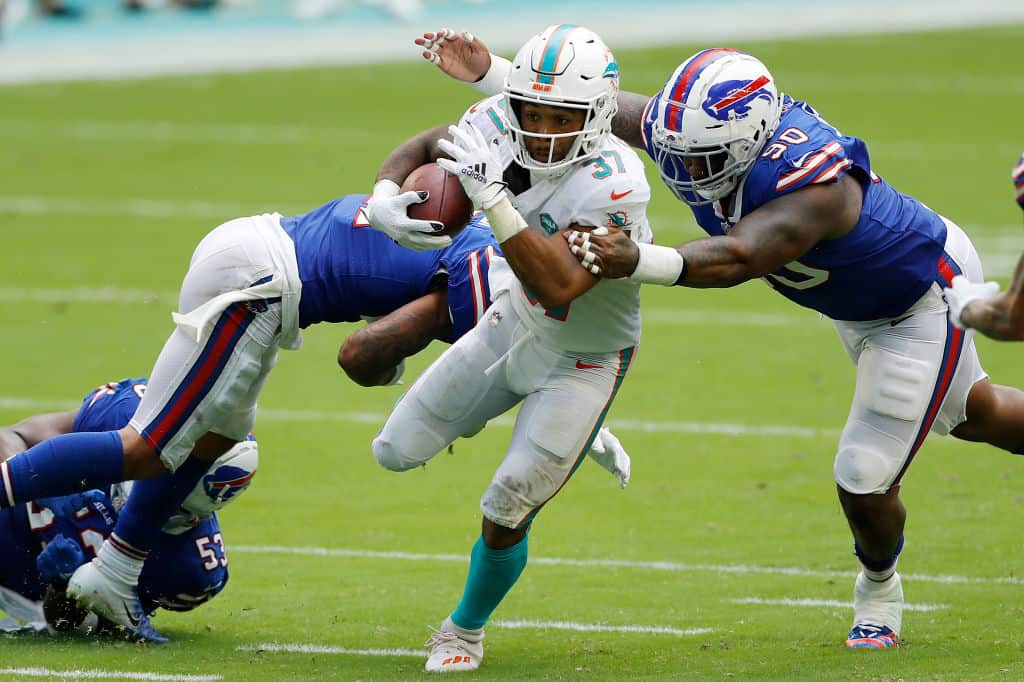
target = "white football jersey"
x: 607, y: 189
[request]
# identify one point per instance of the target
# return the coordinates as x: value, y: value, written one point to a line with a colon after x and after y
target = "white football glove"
x: 963, y: 292
x: 475, y: 165
x: 399, y: 371
x: 607, y: 451
x: 387, y: 212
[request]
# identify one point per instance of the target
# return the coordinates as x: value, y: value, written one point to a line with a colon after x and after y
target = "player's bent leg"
x: 454, y: 396
x: 994, y: 415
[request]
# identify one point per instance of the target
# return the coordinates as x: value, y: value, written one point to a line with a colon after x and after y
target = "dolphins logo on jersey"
x: 735, y: 97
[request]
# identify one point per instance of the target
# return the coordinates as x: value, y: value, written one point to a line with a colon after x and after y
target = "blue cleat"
x: 866, y: 636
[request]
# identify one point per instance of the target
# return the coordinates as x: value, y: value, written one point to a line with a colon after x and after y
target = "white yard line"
x: 644, y: 426
x: 279, y: 648
x: 830, y: 603
x: 669, y: 566
x: 596, y: 627
x: 106, y: 675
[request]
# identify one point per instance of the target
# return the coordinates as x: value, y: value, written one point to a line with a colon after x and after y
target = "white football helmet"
x: 227, y: 478
x: 564, y: 66
x: 716, y: 111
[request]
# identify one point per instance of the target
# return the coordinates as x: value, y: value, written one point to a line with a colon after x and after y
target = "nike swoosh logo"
x: 586, y: 365
x: 134, y: 620
x: 896, y: 322
x: 618, y: 195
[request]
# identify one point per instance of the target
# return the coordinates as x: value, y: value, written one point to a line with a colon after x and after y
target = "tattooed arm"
x: 372, y: 356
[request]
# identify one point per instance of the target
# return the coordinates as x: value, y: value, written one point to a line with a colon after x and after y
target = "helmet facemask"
x: 566, y: 67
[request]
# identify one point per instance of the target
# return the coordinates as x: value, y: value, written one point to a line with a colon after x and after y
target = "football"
x: 448, y: 203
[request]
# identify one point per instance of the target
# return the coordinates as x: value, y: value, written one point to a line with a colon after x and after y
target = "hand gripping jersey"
x: 349, y: 270
x: 183, y: 570
x: 607, y: 189
x: 878, y: 270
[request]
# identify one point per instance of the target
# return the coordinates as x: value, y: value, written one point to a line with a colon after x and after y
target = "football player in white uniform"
x: 539, y: 160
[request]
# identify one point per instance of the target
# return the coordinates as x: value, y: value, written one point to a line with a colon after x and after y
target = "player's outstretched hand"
x: 387, y: 211
x: 459, y: 54
x: 605, y: 252
x: 964, y: 292
x: 607, y: 451
x: 475, y: 165
x: 59, y: 560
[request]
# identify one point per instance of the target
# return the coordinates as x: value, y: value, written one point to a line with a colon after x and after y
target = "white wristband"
x: 505, y: 220
x: 658, y: 265
x: 493, y: 81
x: 386, y: 189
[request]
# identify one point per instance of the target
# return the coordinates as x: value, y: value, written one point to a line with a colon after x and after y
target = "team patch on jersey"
x: 735, y: 97
x: 360, y: 219
x: 548, y: 223
x: 619, y: 219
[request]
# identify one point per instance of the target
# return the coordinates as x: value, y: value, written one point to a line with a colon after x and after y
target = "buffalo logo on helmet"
x: 734, y: 97
x: 226, y: 482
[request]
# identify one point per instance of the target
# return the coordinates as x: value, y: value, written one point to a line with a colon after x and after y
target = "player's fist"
x: 59, y: 560
x: 387, y: 211
x: 474, y: 164
x: 607, y: 451
x: 964, y: 292
x: 461, y: 55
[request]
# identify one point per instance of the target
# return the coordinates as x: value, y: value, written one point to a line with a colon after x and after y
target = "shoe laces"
x: 867, y: 630
x: 440, y: 637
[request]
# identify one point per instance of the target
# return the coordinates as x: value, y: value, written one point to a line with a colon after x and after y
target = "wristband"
x: 386, y: 189
x: 658, y: 265
x: 493, y: 81
x: 505, y: 220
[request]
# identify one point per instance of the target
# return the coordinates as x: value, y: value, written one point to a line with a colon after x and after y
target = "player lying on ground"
x: 788, y: 198
x: 239, y: 304
x: 973, y: 305
x: 45, y: 540
x: 538, y: 159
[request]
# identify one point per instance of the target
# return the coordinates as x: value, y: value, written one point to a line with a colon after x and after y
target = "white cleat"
x: 113, y: 599
x: 877, y: 606
x: 450, y: 653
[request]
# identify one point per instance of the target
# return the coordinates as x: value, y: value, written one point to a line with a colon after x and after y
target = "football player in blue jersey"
x: 240, y: 302
x: 46, y: 540
x: 973, y: 305
x: 788, y: 198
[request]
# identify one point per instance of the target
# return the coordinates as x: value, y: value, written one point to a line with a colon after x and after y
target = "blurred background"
x: 69, y: 39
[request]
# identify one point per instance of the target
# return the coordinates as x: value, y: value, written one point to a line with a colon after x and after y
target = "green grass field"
x: 731, y: 413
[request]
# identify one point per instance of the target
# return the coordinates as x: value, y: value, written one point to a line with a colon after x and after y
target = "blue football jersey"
x: 182, y: 571
x: 881, y: 267
x: 350, y: 270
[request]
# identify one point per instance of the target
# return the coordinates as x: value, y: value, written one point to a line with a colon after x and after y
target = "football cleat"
x: 112, y: 599
x: 450, y: 653
x: 871, y: 637
x: 877, y: 611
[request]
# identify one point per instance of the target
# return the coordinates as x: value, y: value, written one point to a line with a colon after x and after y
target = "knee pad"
x: 406, y: 448
x: 861, y: 470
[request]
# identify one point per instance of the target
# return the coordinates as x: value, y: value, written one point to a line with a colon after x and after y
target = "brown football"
x: 448, y: 203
